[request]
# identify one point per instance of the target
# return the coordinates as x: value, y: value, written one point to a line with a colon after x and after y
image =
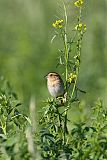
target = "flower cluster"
x: 72, y: 78
x: 80, y: 27
x: 58, y: 24
x: 78, y: 3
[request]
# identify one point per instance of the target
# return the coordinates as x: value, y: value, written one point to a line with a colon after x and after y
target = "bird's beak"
x: 45, y: 77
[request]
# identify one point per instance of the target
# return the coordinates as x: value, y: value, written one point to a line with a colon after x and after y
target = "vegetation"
x: 68, y: 128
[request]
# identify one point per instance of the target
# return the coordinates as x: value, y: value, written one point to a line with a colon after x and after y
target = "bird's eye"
x: 51, y: 75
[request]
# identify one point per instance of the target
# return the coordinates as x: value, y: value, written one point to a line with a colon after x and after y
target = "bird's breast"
x: 55, y: 88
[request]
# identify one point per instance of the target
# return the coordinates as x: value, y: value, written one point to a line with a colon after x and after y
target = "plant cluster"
x: 13, y: 141
x: 58, y: 140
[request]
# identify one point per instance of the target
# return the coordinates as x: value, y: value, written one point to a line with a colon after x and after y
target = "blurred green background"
x: 26, y: 53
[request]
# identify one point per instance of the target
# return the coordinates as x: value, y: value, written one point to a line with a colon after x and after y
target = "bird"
x: 55, y: 84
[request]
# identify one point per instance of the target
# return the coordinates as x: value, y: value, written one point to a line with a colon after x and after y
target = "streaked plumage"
x: 55, y: 84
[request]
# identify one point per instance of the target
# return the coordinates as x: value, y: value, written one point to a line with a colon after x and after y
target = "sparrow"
x: 55, y: 84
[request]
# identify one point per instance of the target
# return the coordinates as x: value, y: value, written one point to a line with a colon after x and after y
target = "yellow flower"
x: 72, y: 78
x: 78, y: 3
x: 85, y: 27
x: 80, y: 27
x: 58, y: 24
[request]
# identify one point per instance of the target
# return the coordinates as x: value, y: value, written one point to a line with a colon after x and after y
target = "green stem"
x: 66, y: 46
x: 64, y: 35
x: 65, y: 127
x: 66, y: 59
x: 79, y: 52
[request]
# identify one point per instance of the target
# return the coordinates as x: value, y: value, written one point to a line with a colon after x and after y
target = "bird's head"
x: 52, y: 76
